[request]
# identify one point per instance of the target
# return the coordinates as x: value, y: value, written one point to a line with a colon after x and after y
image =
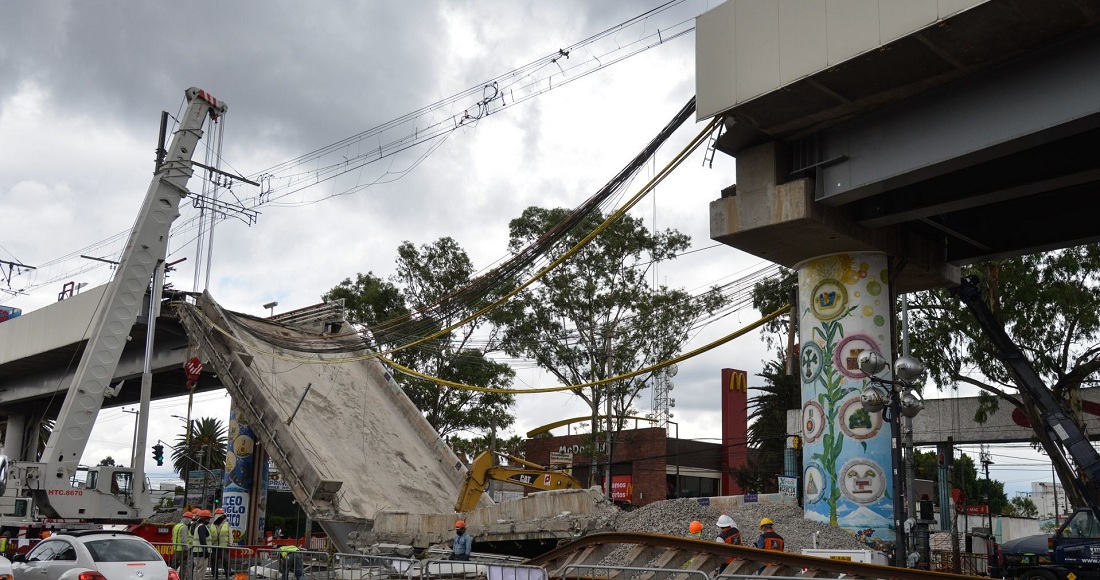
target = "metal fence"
x: 265, y: 563
x: 626, y: 572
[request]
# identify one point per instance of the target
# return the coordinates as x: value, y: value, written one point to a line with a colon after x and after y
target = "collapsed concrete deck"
x: 356, y: 445
x: 358, y: 455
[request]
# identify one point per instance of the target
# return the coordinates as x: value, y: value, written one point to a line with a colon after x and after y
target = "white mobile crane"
x: 113, y: 494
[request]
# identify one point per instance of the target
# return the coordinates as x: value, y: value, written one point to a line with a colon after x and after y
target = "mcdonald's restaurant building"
x: 647, y: 465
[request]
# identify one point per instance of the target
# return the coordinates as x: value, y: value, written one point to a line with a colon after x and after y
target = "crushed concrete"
x: 672, y: 518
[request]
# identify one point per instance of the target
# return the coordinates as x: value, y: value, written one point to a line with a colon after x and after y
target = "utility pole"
x: 607, y: 340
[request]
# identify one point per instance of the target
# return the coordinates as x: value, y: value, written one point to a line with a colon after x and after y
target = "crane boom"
x: 1055, y: 418
x: 50, y: 481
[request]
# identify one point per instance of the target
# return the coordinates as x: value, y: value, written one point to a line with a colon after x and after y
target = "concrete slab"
x: 356, y: 445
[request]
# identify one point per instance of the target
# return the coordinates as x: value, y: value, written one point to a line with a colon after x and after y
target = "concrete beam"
x: 782, y: 222
x: 943, y: 418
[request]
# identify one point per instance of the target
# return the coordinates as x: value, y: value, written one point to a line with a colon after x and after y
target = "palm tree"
x: 768, y: 432
x: 206, y: 449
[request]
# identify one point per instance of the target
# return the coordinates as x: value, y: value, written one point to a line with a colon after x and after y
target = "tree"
x: 964, y: 476
x: 107, y: 461
x: 767, y: 435
x: 1050, y: 305
x: 1023, y: 507
x: 597, y: 315
x: 399, y: 311
x: 206, y: 448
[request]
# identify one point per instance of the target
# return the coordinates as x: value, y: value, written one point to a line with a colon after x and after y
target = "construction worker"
x: 769, y: 540
x: 463, y: 545
x: 200, y: 542
x: 695, y: 532
x: 181, y: 542
x: 219, y: 538
x: 290, y: 559
x: 727, y: 534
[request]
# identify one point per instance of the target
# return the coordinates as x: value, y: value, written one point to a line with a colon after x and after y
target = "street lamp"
x: 895, y: 399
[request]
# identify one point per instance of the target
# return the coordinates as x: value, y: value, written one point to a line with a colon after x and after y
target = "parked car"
x: 92, y: 555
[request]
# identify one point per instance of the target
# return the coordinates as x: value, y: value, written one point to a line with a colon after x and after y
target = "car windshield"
x: 120, y: 550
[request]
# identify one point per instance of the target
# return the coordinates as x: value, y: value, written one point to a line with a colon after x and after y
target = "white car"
x: 92, y: 555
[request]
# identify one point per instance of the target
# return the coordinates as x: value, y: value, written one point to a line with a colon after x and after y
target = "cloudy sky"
x: 85, y: 83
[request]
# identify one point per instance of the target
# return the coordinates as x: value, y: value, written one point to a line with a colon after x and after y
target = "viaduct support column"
x: 244, y: 489
x: 844, y: 301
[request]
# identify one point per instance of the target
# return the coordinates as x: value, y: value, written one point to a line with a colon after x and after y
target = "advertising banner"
x: 558, y: 458
x: 238, y: 481
x: 788, y: 486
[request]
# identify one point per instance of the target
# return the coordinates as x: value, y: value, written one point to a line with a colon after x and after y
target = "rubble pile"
x: 672, y: 517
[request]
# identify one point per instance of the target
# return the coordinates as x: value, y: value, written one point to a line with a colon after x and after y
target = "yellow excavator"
x: 522, y: 472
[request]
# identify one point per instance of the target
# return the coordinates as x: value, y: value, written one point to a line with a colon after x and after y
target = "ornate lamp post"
x: 894, y: 398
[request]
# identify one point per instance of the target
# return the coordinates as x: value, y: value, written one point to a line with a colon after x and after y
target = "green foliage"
x: 767, y: 434
x: 107, y: 461
x: 1022, y: 507
x: 1050, y: 306
x: 514, y: 445
x: 424, y: 276
x: 964, y: 476
x: 598, y: 315
x: 768, y: 296
x: 204, y: 449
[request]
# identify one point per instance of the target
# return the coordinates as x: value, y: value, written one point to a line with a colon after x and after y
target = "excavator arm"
x: 529, y: 475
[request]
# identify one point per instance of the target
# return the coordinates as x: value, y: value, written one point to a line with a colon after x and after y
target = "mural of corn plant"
x: 830, y: 392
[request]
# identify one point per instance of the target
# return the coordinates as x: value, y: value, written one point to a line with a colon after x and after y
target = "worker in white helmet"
x: 727, y: 534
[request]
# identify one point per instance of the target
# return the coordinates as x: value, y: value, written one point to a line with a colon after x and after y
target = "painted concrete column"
x: 240, y: 484
x: 844, y: 300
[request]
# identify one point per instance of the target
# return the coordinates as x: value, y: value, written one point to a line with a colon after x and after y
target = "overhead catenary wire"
x: 513, y: 87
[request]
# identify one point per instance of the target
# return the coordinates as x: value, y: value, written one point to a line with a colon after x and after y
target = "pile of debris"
x: 672, y: 517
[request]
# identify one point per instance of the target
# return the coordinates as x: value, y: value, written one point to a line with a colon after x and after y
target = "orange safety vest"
x: 772, y: 541
x: 731, y: 536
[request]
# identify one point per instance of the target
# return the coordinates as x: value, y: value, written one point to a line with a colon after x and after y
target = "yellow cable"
x: 657, y: 179
x: 407, y: 371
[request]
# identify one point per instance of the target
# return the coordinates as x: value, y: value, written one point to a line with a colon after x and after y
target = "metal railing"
x: 594, y: 571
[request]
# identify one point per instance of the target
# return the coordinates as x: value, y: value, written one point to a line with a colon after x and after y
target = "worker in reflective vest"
x: 220, y: 534
x: 290, y: 559
x: 181, y: 543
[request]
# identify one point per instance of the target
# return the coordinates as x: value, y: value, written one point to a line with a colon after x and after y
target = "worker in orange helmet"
x: 219, y: 542
x: 181, y: 542
x: 463, y: 545
x: 695, y: 530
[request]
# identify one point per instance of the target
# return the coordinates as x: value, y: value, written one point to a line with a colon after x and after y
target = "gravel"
x: 672, y: 517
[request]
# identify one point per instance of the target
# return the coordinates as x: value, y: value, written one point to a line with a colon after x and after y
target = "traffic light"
x: 158, y: 453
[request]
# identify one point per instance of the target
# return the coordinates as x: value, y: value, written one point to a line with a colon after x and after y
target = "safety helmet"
x: 725, y: 521
x: 219, y: 511
x: 460, y: 524
x: 204, y: 513
x: 695, y: 527
x: 766, y: 522
x: 188, y: 515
